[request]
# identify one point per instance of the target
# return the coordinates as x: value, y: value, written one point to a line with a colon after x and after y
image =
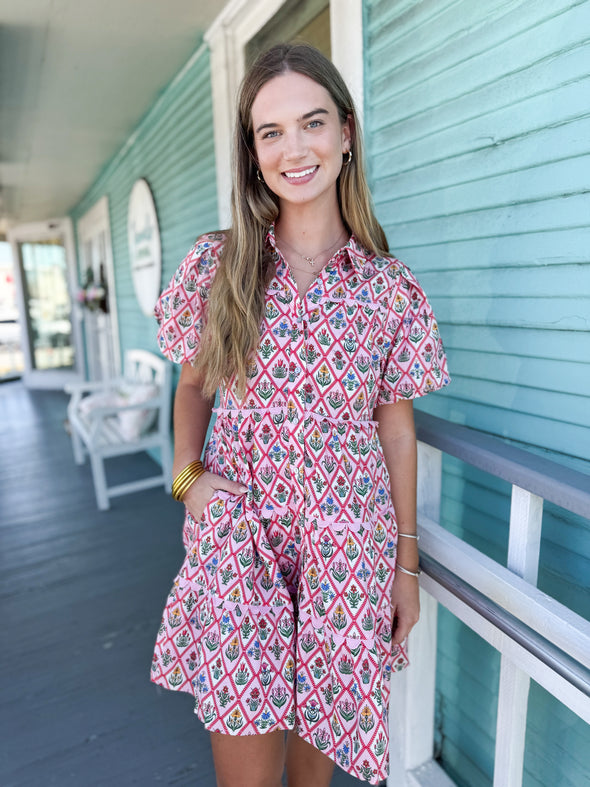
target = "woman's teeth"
x: 300, y: 174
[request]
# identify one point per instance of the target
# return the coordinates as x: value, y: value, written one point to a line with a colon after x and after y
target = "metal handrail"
x: 502, y: 587
x: 544, y: 650
x: 557, y: 483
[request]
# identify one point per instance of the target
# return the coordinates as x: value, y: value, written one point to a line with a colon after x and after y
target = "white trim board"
x: 92, y: 223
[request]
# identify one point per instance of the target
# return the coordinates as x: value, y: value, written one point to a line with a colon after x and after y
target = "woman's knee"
x: 306, y: 765
x: 249, y: 761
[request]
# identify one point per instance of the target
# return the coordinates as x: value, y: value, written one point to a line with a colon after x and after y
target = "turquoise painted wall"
x: 478, y: 137
x: 172, y: 148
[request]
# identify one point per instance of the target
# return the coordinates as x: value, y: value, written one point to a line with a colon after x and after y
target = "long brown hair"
x: 236, y: 303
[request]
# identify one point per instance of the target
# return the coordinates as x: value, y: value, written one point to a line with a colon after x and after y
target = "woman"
x: 288, y: 613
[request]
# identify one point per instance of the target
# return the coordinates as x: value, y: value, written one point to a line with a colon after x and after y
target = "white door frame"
x: 37, y: 232
x: 227, y: 38
x: 90, y: 226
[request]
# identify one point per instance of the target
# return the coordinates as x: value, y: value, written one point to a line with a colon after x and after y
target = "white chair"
x: 124, y: 416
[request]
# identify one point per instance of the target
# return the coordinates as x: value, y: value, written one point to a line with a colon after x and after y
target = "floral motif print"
x: 280, y: 617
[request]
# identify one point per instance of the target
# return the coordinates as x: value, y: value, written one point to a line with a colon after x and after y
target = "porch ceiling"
x: 75, y: 78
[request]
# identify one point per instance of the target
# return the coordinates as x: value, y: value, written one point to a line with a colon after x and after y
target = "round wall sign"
x: 145, y: 250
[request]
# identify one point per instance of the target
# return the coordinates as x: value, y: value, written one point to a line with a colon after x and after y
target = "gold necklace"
x: 307, y: 258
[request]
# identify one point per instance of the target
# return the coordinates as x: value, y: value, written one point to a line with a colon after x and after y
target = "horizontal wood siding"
x: 478, y: 140
x: 173, y: 149
x: 478, y: 128
x: 554, y: 733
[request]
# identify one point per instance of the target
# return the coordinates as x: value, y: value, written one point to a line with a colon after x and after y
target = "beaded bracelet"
x: 410, y: 573
x: 186, y: 478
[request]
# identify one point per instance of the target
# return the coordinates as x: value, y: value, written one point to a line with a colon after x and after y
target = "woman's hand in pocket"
x: 201, y: 492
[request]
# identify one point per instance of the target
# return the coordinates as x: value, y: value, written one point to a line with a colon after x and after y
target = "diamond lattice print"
x: 280, y: 617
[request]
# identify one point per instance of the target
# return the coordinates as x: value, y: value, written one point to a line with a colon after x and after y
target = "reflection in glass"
x: 48, y: 304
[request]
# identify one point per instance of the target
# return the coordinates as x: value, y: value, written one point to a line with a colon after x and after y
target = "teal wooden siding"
x: 172, y: 148
x: 466, y: 710
x: 478, y: 140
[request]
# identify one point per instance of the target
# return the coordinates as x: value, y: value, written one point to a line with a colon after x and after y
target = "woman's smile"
x: 299, y: 176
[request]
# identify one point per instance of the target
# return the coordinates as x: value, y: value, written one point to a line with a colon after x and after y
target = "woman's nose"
x: 295, y: 147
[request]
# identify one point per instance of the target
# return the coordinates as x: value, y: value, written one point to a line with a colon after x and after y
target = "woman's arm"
x: 192, y: 413
x: 398, y: 439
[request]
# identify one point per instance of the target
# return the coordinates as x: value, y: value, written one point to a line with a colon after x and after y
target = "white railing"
x: 537, y: 637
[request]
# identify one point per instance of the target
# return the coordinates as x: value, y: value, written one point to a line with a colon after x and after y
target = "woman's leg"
x: 249, y: 760
x: 306, y: 765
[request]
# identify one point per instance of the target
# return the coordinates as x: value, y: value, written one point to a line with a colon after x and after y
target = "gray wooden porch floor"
x: 81, y: 593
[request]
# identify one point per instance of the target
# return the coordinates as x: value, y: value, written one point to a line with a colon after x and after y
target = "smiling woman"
x: 288, y: 614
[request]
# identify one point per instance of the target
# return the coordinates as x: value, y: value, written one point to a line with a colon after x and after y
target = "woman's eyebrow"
x: 266, y: 125
x: 318, y: 111
x: 307, y: 116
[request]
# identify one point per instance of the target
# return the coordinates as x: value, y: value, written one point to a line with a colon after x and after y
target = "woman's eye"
x: 314, y: 124
x: 270, y: 134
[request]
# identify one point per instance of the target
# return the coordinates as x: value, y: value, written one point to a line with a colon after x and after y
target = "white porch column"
x: 411, y: 714
x: 524, y: 543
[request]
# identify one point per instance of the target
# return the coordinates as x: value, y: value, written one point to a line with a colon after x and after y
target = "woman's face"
x: 299, y: 139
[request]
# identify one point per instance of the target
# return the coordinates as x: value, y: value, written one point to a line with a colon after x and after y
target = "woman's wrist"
x: 407, y: 571
x: 408, y: 547
x: 407, y: 554
x: 186, y: 478
x: 183, y: 459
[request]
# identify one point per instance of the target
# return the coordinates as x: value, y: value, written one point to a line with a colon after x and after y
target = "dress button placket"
x: 296, y: 401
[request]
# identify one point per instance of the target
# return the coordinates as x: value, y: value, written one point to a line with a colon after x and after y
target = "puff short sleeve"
x: 416, y: 363
x: 181, y: 308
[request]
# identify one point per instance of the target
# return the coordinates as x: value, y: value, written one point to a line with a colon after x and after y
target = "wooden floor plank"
x: 81, y: 594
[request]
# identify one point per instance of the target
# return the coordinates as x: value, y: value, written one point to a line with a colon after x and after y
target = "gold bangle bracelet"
x: 186, y: 479
x: 180, y: 480
x: 188, y: 470
x: 179, y: 489
x: 182, y: 485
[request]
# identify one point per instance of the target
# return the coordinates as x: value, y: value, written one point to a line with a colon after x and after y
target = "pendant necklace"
x: 312, y: 260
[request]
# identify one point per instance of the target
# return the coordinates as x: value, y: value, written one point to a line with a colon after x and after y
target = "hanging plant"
x: 93, y: 295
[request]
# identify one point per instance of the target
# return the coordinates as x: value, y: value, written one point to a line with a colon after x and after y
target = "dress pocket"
x: 205, y: 539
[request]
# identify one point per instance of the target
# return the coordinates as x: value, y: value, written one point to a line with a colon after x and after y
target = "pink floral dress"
x: 280, y: 615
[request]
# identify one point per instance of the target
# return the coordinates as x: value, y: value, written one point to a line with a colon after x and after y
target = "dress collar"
x: 356, y: 254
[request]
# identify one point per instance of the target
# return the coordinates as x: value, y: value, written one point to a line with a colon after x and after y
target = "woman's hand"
x: 405, y: 605
x: 201, y: 492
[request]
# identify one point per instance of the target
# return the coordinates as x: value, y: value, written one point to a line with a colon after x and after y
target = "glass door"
x: 44, y: 268
x: 48, y: 305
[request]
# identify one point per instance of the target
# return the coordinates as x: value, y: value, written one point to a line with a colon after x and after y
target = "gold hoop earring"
x: 349, y: 157
x: 259, y: 176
